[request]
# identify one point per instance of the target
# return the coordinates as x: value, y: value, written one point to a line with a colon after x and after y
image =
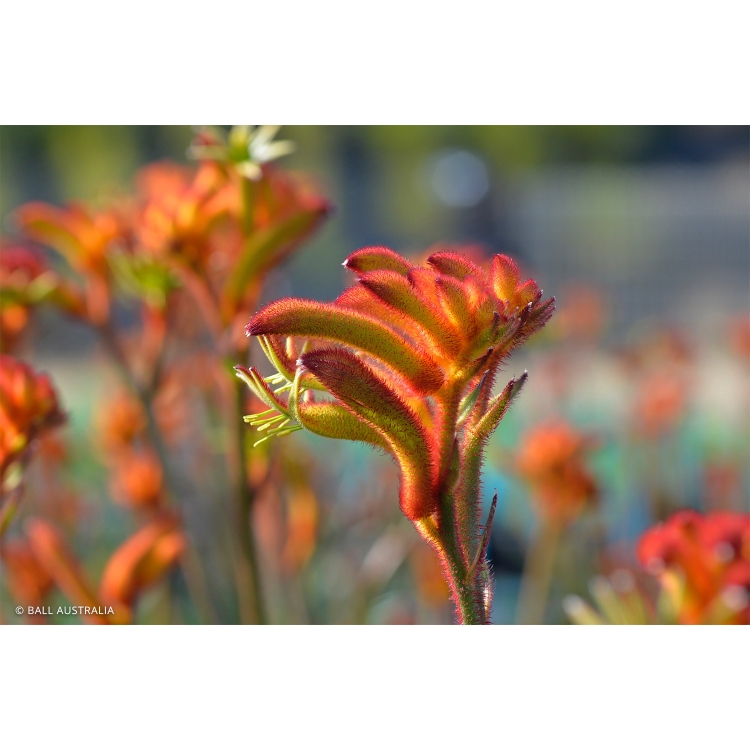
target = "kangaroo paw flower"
x: 409, y: 355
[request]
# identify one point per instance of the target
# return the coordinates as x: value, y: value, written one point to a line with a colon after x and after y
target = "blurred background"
x: 641, y: 233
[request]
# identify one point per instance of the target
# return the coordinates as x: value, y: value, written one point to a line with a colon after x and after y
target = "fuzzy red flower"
x: 410, y: 355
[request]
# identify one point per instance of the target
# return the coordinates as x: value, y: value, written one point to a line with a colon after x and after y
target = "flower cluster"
x: 410, y: 355
x: 211, y: 230
x: 188, y: 249
x: 703, y: 562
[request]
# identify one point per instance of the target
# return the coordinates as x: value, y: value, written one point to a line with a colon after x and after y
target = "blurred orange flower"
x: 137, y: 479
x: 19, y: 266
x: 703, y: 562
x: 83, y: 237
x: 28, y: 405
x: 78, y: 233
x: 174, y: 402
x: 52, y: 553
x: 140, y: 562
x: 552, y: 460
x: 119, y: 421
x: 28, y: 581
x: 179, y: 209
x: 301, y: 526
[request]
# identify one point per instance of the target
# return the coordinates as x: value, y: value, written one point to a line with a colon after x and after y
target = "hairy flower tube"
x: 406, y: 360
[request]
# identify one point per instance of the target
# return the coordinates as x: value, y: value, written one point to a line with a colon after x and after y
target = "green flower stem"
x: 467, y: 587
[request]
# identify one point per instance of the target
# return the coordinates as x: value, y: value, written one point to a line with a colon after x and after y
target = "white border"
x: 375, y: 687
x: 395, y: 61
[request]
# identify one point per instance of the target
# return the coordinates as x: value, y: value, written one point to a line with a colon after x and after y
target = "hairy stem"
x: 469, y: 596
x: 452, y: 541
x: 466, y: 588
